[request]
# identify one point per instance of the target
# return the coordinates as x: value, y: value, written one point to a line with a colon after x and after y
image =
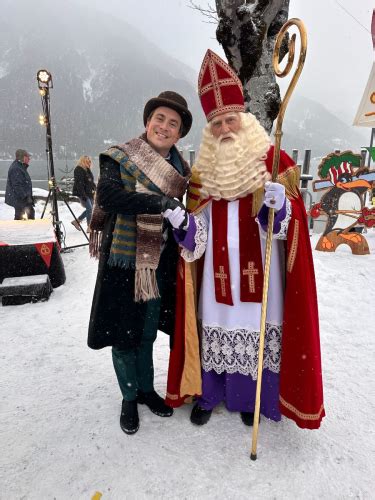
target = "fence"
x: 305, y: 178
x: 304, y: 160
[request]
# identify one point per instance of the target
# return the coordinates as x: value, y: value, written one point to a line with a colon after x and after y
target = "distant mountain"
x: 309, y: 125
x: 103, y: 72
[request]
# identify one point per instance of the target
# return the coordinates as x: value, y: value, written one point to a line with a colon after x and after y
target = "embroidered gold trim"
x: 210, y: 86
x: 290, y: 180
x: 293, y: 250
x: 191, y: 381
x: 222, y: 277
x: 250, y: 271
x: 303, y: 416
x: 208, y: 61
x: 225, y: 109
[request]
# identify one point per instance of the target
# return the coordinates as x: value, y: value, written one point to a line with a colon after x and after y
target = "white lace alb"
x: 200, y: 239
x: 236, y: 351
x: 284, y: 224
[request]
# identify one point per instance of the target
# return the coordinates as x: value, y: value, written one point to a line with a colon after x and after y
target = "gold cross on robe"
x: 250, y: 272
x: 222, y: 276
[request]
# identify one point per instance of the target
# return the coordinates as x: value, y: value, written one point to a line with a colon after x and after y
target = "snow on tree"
x: 247, y: 31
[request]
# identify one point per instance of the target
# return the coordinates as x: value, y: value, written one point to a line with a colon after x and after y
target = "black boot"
x: 155, y: 403
x: 199, y: 416
x: 129, y: 420
x: 248, y: 418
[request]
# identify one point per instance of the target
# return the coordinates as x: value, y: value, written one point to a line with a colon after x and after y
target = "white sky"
x: 339, y: 55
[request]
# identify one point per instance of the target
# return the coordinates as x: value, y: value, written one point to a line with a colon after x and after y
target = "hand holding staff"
x: 275, y: 167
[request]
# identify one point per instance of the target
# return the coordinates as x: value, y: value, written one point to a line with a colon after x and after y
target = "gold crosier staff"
x: 275, y: 170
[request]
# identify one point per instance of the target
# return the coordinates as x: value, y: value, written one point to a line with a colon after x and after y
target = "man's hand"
x: 171, y: 203
x: 178, y: 218
x: 274, y: 195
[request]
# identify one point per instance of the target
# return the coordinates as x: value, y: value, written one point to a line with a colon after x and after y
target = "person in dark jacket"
x: 84, y: 187
x: 19, y: 189
x: 135, y: 288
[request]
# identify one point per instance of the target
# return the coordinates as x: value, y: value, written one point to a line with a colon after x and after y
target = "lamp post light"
x: 44, y: 79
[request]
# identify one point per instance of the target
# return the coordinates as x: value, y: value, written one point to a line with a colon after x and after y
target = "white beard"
x: 233, y: 168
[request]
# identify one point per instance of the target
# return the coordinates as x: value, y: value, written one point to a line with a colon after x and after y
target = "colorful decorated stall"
x: 345, y: 183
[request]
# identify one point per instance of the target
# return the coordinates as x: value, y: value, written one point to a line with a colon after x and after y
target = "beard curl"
x: 234, y: 168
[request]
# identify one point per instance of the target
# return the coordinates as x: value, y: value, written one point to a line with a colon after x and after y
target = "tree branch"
x: 209, y: 12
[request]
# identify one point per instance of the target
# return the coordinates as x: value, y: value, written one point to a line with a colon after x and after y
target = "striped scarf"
x: 137, y: 239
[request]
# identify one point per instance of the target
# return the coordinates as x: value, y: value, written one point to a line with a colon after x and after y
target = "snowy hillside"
x: 103, y: 72
x: 60, y: 404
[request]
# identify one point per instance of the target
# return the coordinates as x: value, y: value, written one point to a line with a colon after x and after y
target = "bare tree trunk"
x: 247, y: 31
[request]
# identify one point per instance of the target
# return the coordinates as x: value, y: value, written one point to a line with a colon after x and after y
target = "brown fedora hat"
x: 174, y: 101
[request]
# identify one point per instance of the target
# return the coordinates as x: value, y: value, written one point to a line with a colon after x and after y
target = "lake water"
x: 38, y: 172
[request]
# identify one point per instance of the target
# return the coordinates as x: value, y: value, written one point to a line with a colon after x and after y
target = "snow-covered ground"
x: 60, y: 405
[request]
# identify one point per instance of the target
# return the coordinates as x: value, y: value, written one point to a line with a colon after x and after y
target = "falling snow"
x: 60, y: 406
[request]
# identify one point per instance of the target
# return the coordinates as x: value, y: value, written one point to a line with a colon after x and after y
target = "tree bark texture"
x: 247, y: 31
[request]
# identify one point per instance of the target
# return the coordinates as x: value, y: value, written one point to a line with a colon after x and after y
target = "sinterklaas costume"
x: 219, y: 288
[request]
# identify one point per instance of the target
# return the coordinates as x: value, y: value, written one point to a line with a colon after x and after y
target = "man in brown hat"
x: 134, y: 293
x: 19, y: 190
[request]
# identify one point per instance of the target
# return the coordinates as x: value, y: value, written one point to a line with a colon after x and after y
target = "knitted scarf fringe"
x: 95, y: 242
x: 146, y: 287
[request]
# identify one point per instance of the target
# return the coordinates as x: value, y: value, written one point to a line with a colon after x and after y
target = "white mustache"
x: 231, y: 135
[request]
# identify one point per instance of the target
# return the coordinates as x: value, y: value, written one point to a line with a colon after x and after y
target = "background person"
x: 19, y: 189
x: 84, y: 187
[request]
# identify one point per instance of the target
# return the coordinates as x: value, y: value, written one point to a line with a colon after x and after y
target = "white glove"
x: 274, y: 195
x: 178, y: 218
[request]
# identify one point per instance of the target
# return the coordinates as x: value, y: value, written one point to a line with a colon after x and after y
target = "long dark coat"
x: 116, y: 320
x: 84, y: 185
x: 19, y: 190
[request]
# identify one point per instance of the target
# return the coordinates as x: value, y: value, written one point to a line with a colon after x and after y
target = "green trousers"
x: 134, y: 367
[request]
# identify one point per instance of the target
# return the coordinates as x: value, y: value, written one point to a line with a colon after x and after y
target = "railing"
x: 304, y: 178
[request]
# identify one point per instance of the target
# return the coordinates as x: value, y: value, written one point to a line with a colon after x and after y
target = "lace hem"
x: 200, y: 239
x: 236, y: 351
x: 284, y: 224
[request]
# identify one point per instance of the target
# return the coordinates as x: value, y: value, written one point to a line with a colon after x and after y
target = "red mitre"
x: 220, y: 90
